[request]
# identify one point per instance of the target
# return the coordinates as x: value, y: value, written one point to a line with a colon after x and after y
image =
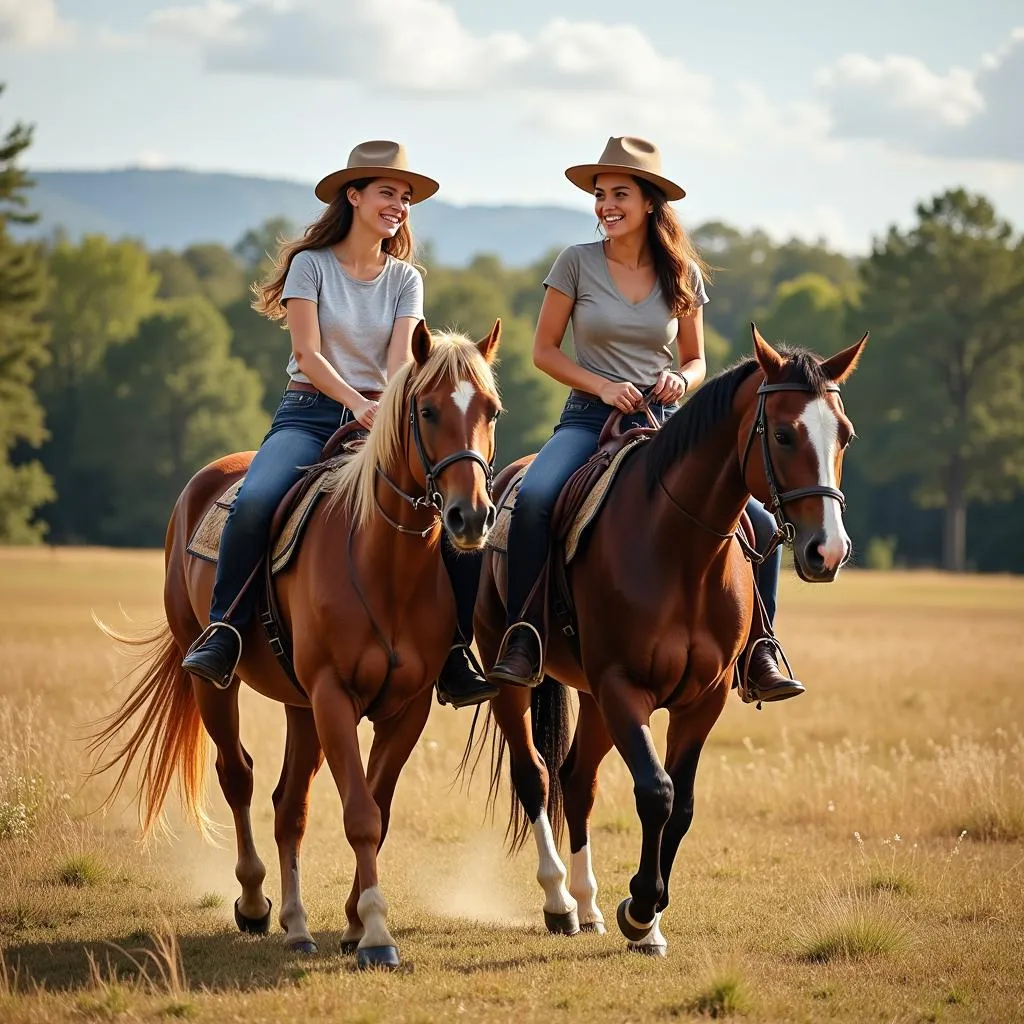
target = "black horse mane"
x: 712, y: 402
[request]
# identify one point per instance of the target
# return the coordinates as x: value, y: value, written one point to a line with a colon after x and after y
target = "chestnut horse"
x: 371, y: 615
x: 663, y: 599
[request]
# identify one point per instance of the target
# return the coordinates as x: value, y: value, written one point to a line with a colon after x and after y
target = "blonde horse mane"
x: 453, y: 356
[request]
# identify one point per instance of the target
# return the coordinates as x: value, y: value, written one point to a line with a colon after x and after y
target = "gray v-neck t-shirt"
x: 613, y: 337
x: 356, y: 317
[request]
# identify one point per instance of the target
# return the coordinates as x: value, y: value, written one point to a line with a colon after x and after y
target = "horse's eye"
x: 783, y: 437
x: 495, y: 415
x: 428, y: 414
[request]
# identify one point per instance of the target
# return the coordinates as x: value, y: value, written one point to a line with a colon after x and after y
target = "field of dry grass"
x: 856, y: 854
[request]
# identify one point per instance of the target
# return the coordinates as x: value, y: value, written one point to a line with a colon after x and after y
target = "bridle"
x: 432, y: 497
x: 786, y: 531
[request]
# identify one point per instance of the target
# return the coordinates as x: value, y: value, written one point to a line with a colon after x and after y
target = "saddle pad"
x: 205, y: 542
x: 498, y: 537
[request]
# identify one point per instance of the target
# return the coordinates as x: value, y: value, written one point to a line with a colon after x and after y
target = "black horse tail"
x: 549, y: 719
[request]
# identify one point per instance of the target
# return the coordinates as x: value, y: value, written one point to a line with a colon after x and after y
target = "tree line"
x: 125, y: 370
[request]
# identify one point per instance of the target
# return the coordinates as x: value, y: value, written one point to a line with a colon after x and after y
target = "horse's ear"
x: 769, y: 360
x: 422, y: 343
x: 839, y: 367
x: 488, y: 347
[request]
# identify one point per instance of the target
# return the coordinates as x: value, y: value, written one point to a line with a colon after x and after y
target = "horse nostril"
x: 813, y: 557
x: 455, y: 520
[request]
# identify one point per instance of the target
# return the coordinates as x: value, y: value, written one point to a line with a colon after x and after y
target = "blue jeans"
x: 302, y: 425
x: 573, y: 442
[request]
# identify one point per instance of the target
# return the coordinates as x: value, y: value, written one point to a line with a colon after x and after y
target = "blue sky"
x: 829, y: 121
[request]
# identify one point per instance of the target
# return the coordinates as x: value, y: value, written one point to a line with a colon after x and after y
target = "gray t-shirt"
x: 613, y: 337
x: 356, y: 317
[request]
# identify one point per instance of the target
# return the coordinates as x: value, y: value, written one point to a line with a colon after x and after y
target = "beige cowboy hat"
x: 378, y: 159
x: 628, y: 155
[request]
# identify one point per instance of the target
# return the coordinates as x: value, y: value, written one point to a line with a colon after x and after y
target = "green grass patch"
x: 210, y: 901
x: 722, y: 995
x: 81, y: 871
x: 859, y: 935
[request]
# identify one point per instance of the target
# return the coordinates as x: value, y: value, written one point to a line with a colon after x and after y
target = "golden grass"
x: 825, y: 877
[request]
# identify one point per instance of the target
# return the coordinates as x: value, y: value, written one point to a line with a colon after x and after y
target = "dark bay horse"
x: 663, y: 597
x: 371, y: 614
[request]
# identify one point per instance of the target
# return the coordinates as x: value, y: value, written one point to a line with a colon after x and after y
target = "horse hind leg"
x: 530, y: 781
x: 579, y: 788
x: 219, y: 711
x: 303, y: 757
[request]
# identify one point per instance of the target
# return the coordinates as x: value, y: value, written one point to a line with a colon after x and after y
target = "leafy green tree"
x: 258, y: 247
x: 220, y: 273
x: 101, y: 291
x: 940, y: 397
x: 809, y: 311
x: 23, y: 287
x: 261, y: 344
x: 176, y: 399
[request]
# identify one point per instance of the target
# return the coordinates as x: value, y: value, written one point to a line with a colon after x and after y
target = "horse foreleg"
x: 393, y: 742
x: 687, y: 732
x: 303, y: 757
x: 590, y: 744
x: 336, y: 722
x: 511, y: 710
x: 627, y: 711
x: 219, y: 711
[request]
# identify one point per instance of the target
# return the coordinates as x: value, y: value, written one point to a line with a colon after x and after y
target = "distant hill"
x: 176, y: 208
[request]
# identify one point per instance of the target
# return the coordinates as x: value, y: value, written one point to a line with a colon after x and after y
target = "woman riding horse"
x: 629, y: 296
x: 351, y: 299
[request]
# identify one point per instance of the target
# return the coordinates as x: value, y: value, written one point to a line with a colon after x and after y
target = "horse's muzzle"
x: 467, y: 525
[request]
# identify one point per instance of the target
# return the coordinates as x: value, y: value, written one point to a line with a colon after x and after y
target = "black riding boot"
x: 461, y: 683
x: 214, y: 655
x: 521, y: 655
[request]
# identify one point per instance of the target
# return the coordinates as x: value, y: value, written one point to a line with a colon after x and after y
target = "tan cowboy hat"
x: 629, y: 155
x: 378, y: 159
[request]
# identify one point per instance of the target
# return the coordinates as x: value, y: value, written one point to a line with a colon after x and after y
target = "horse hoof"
x: 253, y: 925
x: 384, y: 958
x: 349, y: 946
x: 593, y: 927
x: 649, y: 949
x: 562, y: 924
x: 305, y: 946
x: 633, y: 931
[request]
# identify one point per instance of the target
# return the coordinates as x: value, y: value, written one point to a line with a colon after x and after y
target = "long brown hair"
x: 330, y: 228
x: 672, y: 251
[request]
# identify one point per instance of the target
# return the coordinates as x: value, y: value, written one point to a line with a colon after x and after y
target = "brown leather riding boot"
x: 520, y: 657
x: 762, y: 679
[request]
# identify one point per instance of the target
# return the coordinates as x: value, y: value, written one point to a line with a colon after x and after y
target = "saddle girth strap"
x: 278, y: 638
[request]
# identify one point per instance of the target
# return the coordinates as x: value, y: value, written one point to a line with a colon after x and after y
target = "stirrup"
x: 531, y: 681
x: 203, y: 637
x: 744, y: 681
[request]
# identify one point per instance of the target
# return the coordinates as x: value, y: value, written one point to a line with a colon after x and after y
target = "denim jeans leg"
x: 769, y: 571
x: 275, y: 467
x: 529, y: 532
x: 463, y: 569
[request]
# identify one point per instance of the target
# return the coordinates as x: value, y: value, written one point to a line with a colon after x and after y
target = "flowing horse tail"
x: 549, y: 717
x: 169, y: 736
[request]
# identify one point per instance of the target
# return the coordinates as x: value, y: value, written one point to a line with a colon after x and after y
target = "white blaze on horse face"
x: 463, y: 395
x: 822, y: 426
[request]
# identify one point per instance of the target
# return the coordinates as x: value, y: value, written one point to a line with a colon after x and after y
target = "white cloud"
x: 961, y: 114
x: 32, y: 23
x: 568, y: 75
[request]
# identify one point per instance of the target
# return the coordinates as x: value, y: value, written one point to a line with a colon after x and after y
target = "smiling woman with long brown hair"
x: 351, y: 299
x: 631, y: 297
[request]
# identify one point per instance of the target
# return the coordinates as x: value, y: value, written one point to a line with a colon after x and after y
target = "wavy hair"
x: 673, y: 252
x: 330, y: 228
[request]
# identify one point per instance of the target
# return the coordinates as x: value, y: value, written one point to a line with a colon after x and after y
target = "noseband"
x: 786, y: 529
x: 432, y: 498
